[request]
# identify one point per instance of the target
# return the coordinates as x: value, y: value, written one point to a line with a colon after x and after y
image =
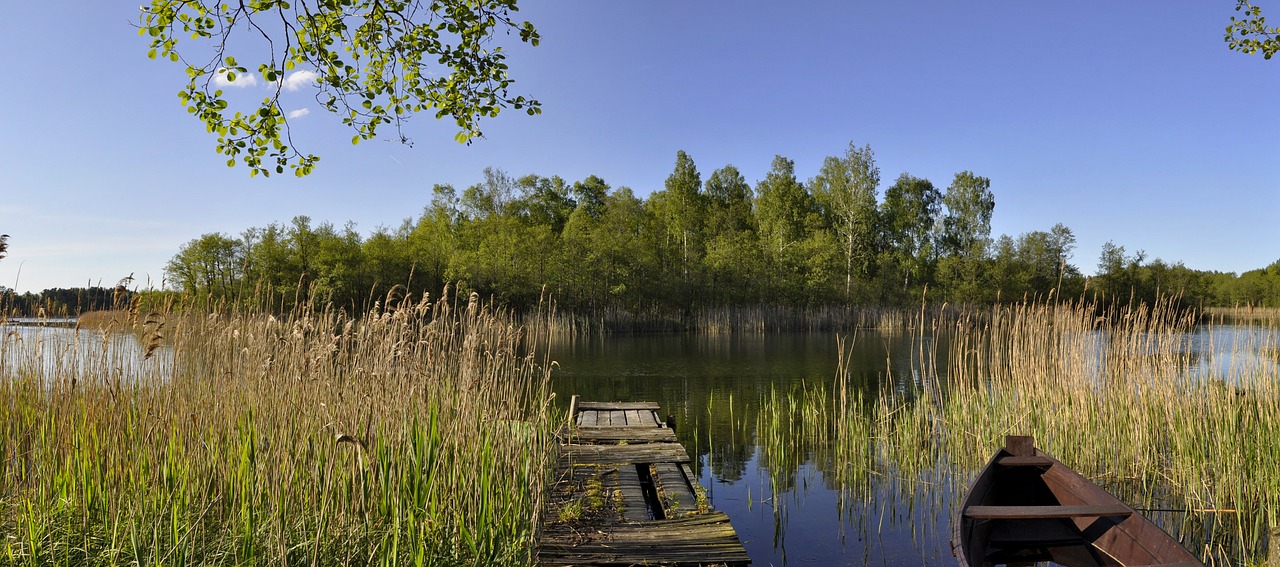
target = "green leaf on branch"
x: 395, y: 57
x: 1252, y: 34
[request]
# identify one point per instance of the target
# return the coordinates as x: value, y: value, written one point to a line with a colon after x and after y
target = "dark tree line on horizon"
x: 836, y: 239
x: 63, y: 302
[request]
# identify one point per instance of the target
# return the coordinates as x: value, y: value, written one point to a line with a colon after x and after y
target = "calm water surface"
x: 57, y: 350
x: 713, y: 387
x: 786, y: 514
x: 698, y: 379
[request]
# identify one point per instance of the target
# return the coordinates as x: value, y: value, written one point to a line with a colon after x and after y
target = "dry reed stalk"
x: 226, y: 453
x: 1124, y: 395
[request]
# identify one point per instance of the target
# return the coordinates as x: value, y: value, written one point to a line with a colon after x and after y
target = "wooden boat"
x: 1028, y: 508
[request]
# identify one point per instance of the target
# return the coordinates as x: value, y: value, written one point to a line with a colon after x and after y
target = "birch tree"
x: 846, y: 187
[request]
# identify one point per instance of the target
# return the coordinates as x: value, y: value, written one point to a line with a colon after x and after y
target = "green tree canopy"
x: 728, y: 201
x: 782, y: 207
x: 684, y: 210
x: 547, y: 201
x: 211, y: 265
x: 733, y: 256
x: 589, y: 196
x: 617, y: 260
x: 966, y: 228
x: 846, y: 187
x: 371, y: 62
x: 1250, y: 33
x: 909, y: 213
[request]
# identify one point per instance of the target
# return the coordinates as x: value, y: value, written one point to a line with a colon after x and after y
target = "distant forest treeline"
x: 833, y: 240
x: 63, y: 302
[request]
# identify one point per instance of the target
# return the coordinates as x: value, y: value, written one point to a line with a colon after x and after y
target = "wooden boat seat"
x: 1027, y: 508
x: 1024, y: 462
x: 1035, y: 532
x: 1025, y: 512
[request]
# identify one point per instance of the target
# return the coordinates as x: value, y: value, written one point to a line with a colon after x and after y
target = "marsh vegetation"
x: 422, y: 433
x: 861, y: 452
x: 414, y: 435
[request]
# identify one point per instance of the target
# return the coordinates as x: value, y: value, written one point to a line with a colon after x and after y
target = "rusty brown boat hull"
x: 1027, y: 507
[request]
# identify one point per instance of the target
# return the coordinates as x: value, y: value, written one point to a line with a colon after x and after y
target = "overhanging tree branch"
x: 1251, y: 34
x: 376, y: 62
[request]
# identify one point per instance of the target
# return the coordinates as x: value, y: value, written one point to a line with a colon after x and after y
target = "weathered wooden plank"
x: 682, y: 530
x: 1020, y: 445
x: 643, y: 453
x: 696, y: 539
x: 1038, y: 531
x: 647, y: 554
x: 628, y: 433
x: 678, y: 497
x: 610, y: 442
x: 1023, y: 462
x: 688, y: 473
x: 634, y: 508
x: 650, y: 418
x: 1012, y: 512
x: 618, y: 406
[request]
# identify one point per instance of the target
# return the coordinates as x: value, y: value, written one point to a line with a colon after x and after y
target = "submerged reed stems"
x: 1186, y: 430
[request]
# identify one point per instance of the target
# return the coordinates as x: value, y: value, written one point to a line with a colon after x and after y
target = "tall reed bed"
x: 813, y: 319
x: 1269, y: 316
x: 416, y: 435
x: 1126, y: 400
x: 1174, y: 418
x: 757, y: 319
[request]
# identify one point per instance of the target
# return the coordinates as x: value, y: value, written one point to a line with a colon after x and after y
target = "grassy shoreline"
x: 422, y: 434
x: 412, y: 436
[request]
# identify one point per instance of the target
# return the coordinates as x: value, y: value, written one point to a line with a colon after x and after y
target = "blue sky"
x: 1126, y: 121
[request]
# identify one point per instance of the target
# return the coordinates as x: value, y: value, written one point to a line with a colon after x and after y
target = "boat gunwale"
x: 1133, y: 527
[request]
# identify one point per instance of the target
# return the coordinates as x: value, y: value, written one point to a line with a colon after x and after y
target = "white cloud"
x: 243, y: 80
x: 299, y: 79
x: 299, y: 113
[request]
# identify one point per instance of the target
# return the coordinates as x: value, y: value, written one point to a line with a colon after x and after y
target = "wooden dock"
x: 625, y: 495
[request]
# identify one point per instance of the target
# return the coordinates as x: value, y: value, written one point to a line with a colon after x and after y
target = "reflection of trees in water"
x: 917, y: 413
x: 892, y: 467
x: 1119, y: 405
x: 874, y: 462
x: 727, y: 435
x: 729, y: 461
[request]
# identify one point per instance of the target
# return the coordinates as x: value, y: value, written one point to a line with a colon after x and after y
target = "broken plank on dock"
x: 675, y: 489
x: 626, y: 495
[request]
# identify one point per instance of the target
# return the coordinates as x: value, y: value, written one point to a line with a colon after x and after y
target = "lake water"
x: 55, y: 348
x: 697, y: 379
x: 713, y: 386
x: 788, y: 513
